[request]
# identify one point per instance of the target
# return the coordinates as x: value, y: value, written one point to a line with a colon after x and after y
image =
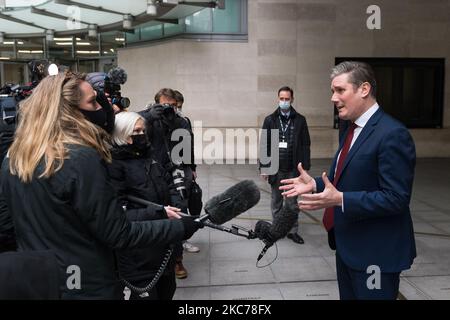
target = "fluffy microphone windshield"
x: 283, y: 222
x: 118, y: 75
x: 262, y: 229
x: 232, y: 202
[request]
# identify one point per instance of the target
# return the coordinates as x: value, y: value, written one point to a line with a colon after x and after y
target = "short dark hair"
x: 166, y: 92
x: 359, y: 72
x: 286, y: 88
x: 178, y: 96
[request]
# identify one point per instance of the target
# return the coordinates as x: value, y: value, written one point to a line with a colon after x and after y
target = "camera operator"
x: 162, y: 120
x: 57, y: 164
x: 110, y: 83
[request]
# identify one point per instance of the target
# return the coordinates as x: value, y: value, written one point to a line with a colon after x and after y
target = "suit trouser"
x: 354, y: 284
x: 278, y: 201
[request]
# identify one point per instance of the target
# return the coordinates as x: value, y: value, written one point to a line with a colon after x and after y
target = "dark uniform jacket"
x: 300, y: 137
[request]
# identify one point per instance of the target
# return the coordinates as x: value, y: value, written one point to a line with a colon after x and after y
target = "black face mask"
x: 97, y: 117
x: 140, y: 143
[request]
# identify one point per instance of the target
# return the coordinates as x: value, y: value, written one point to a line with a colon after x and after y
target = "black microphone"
x: 280, y: 227
x: 231, y: 203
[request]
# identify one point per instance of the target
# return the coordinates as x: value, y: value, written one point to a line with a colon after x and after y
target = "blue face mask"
x: 284, y: 105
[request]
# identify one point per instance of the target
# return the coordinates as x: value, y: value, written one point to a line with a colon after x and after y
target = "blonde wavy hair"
x: 49, y: 120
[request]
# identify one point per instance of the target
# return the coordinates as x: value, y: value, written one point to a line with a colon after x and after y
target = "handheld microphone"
x: 271, y: 233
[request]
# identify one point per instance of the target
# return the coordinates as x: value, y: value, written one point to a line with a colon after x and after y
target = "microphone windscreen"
x: 118, y: 75
x: 283, y: 222
x: 232, y: 202
x: 262, y: 229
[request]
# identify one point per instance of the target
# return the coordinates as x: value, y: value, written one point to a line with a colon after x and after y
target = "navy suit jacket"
x: 376, y: 227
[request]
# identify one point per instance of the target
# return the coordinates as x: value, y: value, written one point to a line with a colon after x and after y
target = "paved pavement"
x: 225, y: 268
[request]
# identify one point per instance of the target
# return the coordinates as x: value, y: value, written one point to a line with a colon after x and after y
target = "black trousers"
x: 353, y: 284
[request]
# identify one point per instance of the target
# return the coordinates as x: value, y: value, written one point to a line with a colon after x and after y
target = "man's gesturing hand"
x: 298, y: 186
x: 330, y: 197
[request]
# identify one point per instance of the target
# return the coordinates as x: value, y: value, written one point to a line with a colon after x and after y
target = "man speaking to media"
x: 368, y: 191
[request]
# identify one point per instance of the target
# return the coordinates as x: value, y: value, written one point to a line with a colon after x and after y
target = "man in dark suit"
x: 293, y: 146
x: 367, y: 198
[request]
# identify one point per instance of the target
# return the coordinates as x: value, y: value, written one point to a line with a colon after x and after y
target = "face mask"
x: 140, y: 142
x: 284, y: 105
x: 96, y: 117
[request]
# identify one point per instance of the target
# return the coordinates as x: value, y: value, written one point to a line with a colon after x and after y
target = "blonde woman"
x: 58, y: 192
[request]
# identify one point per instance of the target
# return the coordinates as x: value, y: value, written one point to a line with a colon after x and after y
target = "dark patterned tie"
x: 328, y: 216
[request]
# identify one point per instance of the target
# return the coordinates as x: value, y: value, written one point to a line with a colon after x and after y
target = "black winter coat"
x: 302, y: 141
x: 141, y: 176
x: 7, y: 236
x: 76, y: 214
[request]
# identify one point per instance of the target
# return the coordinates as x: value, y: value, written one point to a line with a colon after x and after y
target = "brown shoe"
x: 180, y: 271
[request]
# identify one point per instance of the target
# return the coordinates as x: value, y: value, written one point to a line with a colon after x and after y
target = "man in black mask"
x: 96, y: 108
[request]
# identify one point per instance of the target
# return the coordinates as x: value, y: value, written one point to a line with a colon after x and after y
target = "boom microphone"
x: 232, y: 202
x: 224, y: 207
x: 280, y: 227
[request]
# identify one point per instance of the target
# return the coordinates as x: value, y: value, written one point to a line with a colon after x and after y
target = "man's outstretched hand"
x: 298, y: 186
x: 329, y: 197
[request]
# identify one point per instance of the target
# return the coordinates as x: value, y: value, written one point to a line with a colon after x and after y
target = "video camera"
x: 110, y: 83
x: 113, y: 89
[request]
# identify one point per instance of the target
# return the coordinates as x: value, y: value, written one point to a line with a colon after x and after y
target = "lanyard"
x: 284, y: 128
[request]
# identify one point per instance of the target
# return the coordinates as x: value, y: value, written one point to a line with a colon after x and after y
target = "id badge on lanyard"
x: 283, y: 144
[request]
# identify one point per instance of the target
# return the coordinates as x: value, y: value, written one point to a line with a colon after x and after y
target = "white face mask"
x: 284, y: 105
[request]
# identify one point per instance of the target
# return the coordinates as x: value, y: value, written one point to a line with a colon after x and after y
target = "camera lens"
x: 125, y: 102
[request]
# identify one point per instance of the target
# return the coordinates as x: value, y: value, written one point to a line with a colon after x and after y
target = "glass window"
x: 14, y: 73
x: 228, y: 20
x: 110, y: 41
x: 87, y: 66
x: 171, y: 29
x: 151, y: 32
x: 6, y: 50
x: 199, y: 22
x: 133, y: 37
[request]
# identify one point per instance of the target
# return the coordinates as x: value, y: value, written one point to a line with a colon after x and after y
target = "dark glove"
x: 190, y: 226
x: 102, y: 100
x: 153, y: 113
